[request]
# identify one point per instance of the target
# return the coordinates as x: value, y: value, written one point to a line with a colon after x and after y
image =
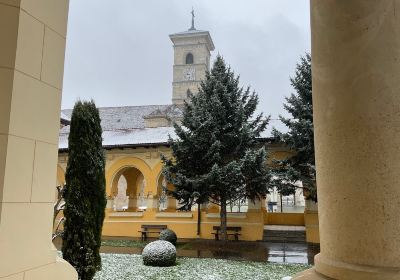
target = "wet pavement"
x: 240, y: 250
x: 291, y: 252
x: 302, y: 253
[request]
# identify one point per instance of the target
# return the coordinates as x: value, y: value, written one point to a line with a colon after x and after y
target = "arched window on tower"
x: 188, y: 93
x: 189, y: 58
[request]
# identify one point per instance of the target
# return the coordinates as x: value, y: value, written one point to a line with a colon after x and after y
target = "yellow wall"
x: 312, y: 226
x: 290, y: 219
x: 185, y: 227
x: 144, y: 163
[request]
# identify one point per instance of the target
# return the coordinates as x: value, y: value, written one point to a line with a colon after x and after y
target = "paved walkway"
x: 253, y: 251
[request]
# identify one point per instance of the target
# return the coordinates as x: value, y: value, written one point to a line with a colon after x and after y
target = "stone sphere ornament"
x: 159, y: 253
x: 168, y: 235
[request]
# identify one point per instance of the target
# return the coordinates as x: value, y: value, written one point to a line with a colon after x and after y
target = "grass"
x: 123, y: 243
x: 135, y: 243
x: 124, y: 267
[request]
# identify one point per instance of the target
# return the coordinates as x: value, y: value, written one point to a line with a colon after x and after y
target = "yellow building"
x: 134, y: 137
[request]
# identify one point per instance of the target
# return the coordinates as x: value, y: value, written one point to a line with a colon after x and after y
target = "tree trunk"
x: 281, y: 203
x: 198, y: 219
x: 223, y: 232
x: 59, y: 200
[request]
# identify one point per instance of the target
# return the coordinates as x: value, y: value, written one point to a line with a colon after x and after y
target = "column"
x: 32, y: 46
x: 356, y: 95
x: 255, y: 206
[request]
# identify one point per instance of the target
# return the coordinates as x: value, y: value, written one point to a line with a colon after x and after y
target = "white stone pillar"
x: 32, y: 45
x: 356, y: 96
x: 152, y: 203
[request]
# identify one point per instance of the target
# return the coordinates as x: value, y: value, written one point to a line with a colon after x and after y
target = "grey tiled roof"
x: 125, y: 125
x: 135, y: 137
x: 127, y: 117
x: 171, y: 112
x: 65, y: 120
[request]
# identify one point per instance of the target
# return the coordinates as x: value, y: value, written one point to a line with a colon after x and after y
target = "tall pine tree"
x: 299, y: 138
x: 214, y: 156
x: 85, y: 191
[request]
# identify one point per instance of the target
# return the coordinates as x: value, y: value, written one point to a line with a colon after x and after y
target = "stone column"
x: 254, y: 206
x: 172, y: 205
x: 356, y: 95
x: 32, y: 45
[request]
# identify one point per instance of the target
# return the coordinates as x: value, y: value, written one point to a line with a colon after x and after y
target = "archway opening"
x: 128, y: 190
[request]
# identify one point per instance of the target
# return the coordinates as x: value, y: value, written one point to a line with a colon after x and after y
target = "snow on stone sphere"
x: 159, y: 253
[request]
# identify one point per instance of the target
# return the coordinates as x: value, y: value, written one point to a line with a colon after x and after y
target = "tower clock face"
x: 189, y: 74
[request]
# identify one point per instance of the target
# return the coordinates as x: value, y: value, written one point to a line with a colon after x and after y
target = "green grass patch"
x: 137, y: 243
x: 123, y: 243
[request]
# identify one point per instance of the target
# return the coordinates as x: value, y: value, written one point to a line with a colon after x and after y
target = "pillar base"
x: 60, y: 270
x: 326, y: 269
x: 341, y: 270
x: 310, y: 274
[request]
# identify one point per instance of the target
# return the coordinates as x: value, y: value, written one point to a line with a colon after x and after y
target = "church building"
x: 134, y: 137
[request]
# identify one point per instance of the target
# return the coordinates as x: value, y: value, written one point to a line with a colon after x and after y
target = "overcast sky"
x: 119, y: 53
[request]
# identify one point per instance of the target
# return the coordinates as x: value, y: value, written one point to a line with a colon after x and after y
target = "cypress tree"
x: 216, y: 157
x: 85, y: 191
x: 299, y: 137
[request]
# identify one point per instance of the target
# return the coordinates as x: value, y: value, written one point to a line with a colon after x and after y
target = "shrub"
x: 85, y: 197
x: 168, y: 235
x: 159, y: 253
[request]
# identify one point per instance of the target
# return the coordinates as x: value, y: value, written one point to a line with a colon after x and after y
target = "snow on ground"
x: 124, y: 267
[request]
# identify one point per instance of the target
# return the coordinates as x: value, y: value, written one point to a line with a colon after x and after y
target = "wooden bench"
x: 231, y: 231
x: 147, y: 229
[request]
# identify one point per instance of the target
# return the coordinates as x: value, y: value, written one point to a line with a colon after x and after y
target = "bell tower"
x: 192, y: 51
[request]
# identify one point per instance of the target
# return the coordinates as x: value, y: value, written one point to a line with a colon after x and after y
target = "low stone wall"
x: 183, y: 223
x: 289, y: 219
x: 312, y: 226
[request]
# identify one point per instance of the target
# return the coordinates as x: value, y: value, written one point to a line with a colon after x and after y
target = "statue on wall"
x: 163, y: 200
x: 142, y: 199
x: 121, y: 200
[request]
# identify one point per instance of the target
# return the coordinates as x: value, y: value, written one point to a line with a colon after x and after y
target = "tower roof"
x: 193, y: 34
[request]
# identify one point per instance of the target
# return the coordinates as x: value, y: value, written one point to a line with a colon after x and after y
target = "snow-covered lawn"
x: 127, y: 267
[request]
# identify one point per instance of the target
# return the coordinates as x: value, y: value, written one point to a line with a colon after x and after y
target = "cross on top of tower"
x: 192, y: 28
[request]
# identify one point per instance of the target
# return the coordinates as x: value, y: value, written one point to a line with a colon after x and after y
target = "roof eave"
x: 125, y: 146
x: 211, y: 45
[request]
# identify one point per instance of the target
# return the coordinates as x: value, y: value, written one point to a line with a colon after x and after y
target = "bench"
x: 231, y: 231
x: 147, y: 229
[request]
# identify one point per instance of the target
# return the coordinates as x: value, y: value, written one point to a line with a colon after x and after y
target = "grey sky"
x: 118, y: 51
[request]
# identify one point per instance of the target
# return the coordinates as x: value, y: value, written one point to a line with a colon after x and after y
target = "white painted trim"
x: 177, y: 222
x: 285, y: 228
x: 229, y: 215
x: 126, y: 214
x: 173, y: 215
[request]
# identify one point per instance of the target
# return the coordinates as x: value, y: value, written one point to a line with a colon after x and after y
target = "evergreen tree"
x: 299, y: 138
x: 214, y: 156
x: 85, y: 191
